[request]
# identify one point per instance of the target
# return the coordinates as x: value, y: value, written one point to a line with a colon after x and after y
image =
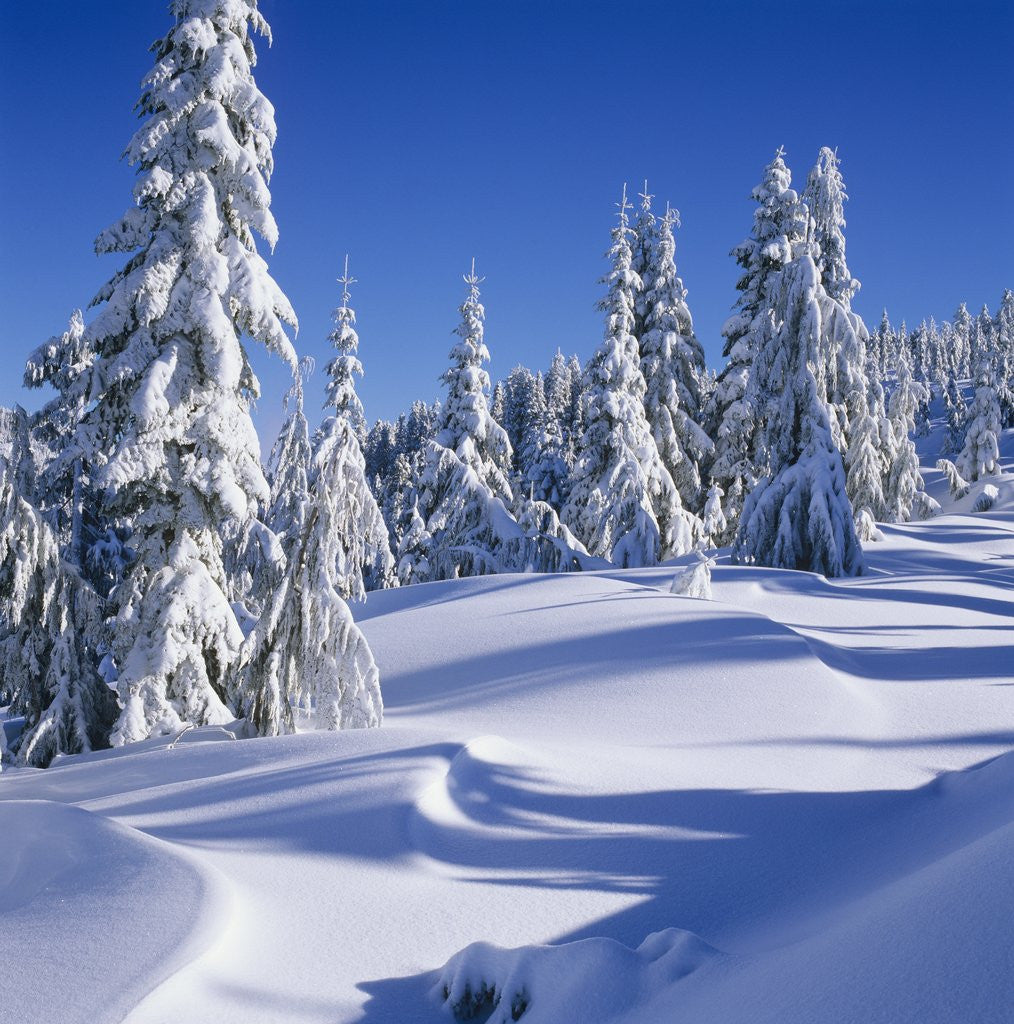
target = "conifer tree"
x: 364, y: 555
x: 577, y: 403
x: 1004, y: 335
x: 961, y: 325
x: 644, y: 244
x: 798, y: 516
x: 777, y: 227
x: 467, y: 427
x: 672, y: 363
x: 904, y: 481
x: 843, y: 379
x: 413, y: 549
x: 713, y: 517
x: 980, y: 453
x: 524, y: 407
x: 47, y: 668
x: 884, y: 347
x: 306, y: 654
x: 558, y: 400
x: 951, y: 389
x: 289, y: 463
x: 65, y: 363
x: 169, y: 437
x: 623, y: 503
x: 465, y: 522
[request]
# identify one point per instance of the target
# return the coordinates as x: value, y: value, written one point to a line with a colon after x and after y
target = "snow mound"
x: 588, y: 980
x: 101, y: 912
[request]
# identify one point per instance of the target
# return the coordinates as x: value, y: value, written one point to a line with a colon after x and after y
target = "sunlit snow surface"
x: 803, y: 786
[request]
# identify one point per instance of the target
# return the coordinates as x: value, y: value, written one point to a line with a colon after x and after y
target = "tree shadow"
x: 754, y: 867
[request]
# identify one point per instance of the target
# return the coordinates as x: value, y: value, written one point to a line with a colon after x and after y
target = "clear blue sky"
x: 416, y: 135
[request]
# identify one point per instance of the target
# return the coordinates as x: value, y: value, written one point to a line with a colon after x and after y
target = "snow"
x: 791, y: 803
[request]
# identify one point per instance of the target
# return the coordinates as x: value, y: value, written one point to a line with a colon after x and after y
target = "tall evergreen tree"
x: 884, y: 347
x: 798, y: 516
x: 467, y: 427
x: 843, y: 379
x: 65, y: 363
x: 1004, y: 335
x: 289, y: 464
x: 365, y: 561
x: 47, y: 668
x: 306, y: 654
x: 904, y: 481
x: 962, y: 326
x: 672, y: 362
x: 980, y: 453
x: 777, y: 227
x: 169, y: 436
x: 623, y: 503
x: 462, y: 523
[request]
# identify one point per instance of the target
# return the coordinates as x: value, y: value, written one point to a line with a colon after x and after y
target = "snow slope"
x: 803, y: 787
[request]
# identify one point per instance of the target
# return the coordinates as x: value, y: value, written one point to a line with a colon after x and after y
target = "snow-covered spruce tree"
x: 289, y: 463
x: 64, y: 362
x: 825, y: 198
x: 380, y: 451
x: 980, y: 453
x: 254, y: 548
x: 47, y: 669
x: 884, y: 345
x: 798, y: 516
x: 413, y: 549
x: 464, y: 497
x: 306, y: 654
x: 549, y: 474
x: 169, y: 437
x: 524, y: 408
x: 399, y: 498
x: 365, y: 561
x: 732, y: 421
x: 467, y: 428
x: 713, y: 517
x: 644, y: 242
x: 904, y: 480
x: 961, y: 323
x: 623, y: 504
x: 558, y: 397
x: 1004, y: 336
x: 577, y: 382
x: 920, y: 346
x: 672, y: 363
x: 853, y: 390
x: 952, y: 391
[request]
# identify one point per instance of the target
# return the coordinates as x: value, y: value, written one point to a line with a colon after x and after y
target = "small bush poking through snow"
x: 958, y: 485
x: 483, y: 1003
x: 587, y: 980
x: 985, y: 500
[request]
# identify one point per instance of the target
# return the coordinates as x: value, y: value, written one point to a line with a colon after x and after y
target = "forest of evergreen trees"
x: 153, y: 574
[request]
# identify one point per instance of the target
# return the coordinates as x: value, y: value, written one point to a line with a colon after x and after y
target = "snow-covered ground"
x: 805, y: 787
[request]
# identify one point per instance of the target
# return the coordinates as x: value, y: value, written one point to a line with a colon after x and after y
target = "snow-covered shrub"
x: 866, y: 526
x: 959, y: 487
x: 694, y: 579
x: 986, y: 499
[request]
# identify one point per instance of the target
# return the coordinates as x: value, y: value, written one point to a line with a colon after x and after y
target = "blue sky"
x: 417, y: 135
